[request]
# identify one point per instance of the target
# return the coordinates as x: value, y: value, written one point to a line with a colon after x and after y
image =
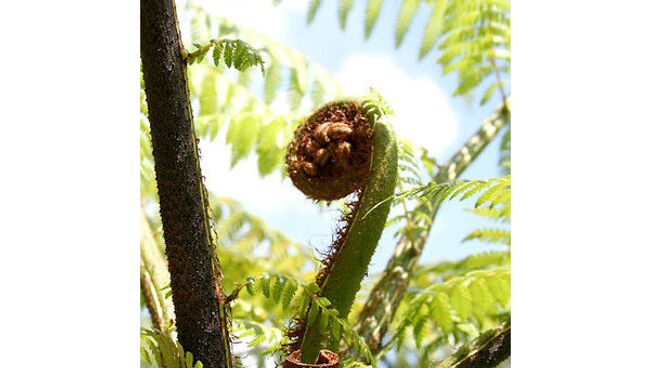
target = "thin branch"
x: 151, y: 298
x: 154, y: 263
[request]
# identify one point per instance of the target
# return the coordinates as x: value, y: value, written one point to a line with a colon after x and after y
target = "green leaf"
x: 278, y: 287
x: 323, y: 321
x: 270, y: 152
x: 228, y: 54
x: 404, y: 19
x: 242, y: 135
x: 272, y: 81
x: 314, y: 5
x: 373, y: 8
x: 208, y: 95
x: 297, y: 83
x: 441, y: 311
x: 250, y: 288
x: 336, y: 329
x: 481, y: 298
x: 312, y: 314
x: 461, y: 300
x: 216, y: 53
x: 323, y: 302
x: 433, y: 27
x: 302, y: 302
x: 471, y: 78
x: 344, y: 10
x: 312, y: 287
x: 265, y: 284
x: 500, y: 287
x: 420, y: 330
x: 288, y: 294
x: 317, y: 93
x: 488, y: 93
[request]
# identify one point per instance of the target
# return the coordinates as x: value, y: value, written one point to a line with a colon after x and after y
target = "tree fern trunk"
x: 378, y: 311
x: 195, y: 292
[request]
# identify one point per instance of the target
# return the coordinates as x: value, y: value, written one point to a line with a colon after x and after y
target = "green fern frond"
x: 344, y: 10
x: 473, y: 37
x: 448, y: 306
x: 404, y: 19
x: 234, y: 53
x: 162, y: 350
x: 296, y: 295
x: 259, y: 334
x: 237, y: 105
x: 373, y: 8
x: 314, y: 5
x: 272, y: 81
x: 463, y: 187
x: 427, y: 274
x: 241, y: 136
x: 433, y: 28
x: 148, y: 188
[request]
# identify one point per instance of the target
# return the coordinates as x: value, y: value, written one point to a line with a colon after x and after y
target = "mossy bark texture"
x: 201, y: 328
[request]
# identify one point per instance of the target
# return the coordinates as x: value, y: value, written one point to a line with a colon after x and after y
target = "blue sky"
x: 421, y: 97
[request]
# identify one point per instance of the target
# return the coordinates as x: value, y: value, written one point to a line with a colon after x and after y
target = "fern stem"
x: 201, y: 324
x: 378, y: 311
x: 346, y: 267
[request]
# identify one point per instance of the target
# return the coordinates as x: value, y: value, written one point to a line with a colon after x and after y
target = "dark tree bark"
x: 196, y: 294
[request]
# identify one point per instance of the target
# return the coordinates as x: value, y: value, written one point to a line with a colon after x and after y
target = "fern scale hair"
x: 329, y: 156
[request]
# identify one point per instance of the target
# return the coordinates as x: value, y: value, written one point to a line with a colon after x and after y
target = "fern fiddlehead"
x: 344, y: 147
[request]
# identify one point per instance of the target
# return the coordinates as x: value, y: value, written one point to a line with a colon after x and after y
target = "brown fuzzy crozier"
x: 329, y: 156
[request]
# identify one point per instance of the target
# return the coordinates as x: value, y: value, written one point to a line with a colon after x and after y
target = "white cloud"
x: 422, y: 110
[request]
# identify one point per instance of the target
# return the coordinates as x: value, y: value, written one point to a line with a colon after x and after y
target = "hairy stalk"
x: 334, y: 154
x: 199, y: 313
x: 379, y: 309
x: 486, y: 351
